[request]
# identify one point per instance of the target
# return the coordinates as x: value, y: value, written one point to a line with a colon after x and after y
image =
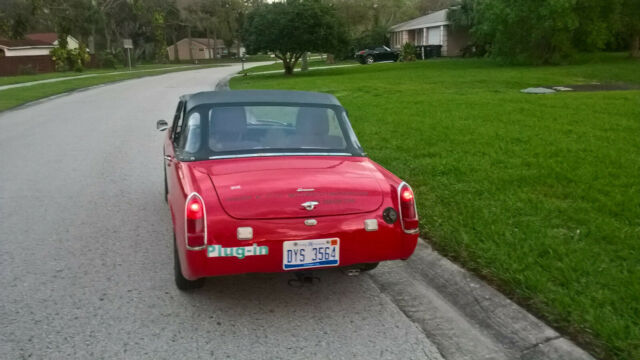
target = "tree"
x: 524, y: 31
x: 291, y: 28
x: 630, y: 21
x: 72, y: 17
x: 16, y: 17
x: 549, y: 31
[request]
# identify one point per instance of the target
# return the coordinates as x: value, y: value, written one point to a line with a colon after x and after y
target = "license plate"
x: 302, y: 254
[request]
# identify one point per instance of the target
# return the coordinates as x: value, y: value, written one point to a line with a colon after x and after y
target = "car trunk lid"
x: 295, y: 187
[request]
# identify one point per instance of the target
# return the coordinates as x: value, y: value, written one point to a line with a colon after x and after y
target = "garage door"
x: 434, y: 36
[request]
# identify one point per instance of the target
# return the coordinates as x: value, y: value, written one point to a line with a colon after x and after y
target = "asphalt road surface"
x: 86, y: 260
x: 86, y: 266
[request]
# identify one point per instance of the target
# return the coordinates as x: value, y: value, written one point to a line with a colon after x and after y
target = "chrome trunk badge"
x: 311, y: 222
x: 310, y: 205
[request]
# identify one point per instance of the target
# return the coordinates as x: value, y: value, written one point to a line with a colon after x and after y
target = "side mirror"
x: 162, y: 125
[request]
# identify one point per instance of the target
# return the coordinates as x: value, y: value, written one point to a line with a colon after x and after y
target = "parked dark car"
x: 383, y: 53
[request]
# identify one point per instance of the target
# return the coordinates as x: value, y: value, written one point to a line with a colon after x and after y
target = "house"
x: 203, y: 48
x: 52, y: 39
x: 24, y: 47
x: 431, y: 29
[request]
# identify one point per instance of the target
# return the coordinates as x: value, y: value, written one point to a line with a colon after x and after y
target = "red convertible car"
x: 271, y: 181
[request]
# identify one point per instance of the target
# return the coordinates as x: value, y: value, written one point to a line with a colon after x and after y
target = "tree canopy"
x: 548, y: 32
x: 291, y: 28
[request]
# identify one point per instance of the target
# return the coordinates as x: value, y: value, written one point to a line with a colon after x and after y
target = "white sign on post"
x: 128, y: 44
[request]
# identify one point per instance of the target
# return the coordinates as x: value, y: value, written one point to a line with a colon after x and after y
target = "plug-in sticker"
x: 239, y: 252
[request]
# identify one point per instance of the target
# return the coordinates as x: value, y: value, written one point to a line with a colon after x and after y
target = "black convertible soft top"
x: 259, y: 96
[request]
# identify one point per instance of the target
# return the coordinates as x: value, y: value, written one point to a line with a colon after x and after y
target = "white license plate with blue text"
x: 302, y: 254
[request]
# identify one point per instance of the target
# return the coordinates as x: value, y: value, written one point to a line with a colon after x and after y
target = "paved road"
x: 86, y: 261
x: 86, y: 268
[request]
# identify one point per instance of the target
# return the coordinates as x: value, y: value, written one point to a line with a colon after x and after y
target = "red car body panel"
x: 263, y: 193
x: 267, y: 188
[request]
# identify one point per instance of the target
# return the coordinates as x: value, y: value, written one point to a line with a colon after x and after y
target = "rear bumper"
x: 357, y: 245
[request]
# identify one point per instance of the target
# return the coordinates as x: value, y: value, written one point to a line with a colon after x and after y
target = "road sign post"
x: 128, y: 44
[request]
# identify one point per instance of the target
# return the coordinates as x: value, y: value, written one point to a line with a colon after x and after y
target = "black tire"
x: 368, y: 266
x: 183, y: 283
x: 369, y: 60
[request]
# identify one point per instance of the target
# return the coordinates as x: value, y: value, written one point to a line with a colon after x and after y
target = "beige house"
x: 431, y: 29
x: 203, y: 48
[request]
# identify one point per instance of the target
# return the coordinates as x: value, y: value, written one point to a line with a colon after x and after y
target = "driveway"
x: 86, y: 260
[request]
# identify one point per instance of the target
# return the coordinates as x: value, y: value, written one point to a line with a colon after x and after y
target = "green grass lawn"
x: 17, y: 96
x: 8, y: 80
x: 277, y: 65
x: 540, y: 194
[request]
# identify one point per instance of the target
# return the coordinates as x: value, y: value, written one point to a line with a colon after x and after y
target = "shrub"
x: 408, y: 52
x: 59, y: 57
x: 70, y: 59
x: 106, y: 59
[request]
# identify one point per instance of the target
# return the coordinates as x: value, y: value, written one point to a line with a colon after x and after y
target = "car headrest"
x: 228, y: 120
x: 312, y: 121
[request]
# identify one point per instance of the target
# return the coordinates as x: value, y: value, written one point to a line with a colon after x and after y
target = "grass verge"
x: 277, y: 65
x: 13, y: 97
x: 9, y: 80
x: 540, y: 194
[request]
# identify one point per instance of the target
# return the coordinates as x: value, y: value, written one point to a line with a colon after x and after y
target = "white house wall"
x: 27, y: 52
x: 72, y: 43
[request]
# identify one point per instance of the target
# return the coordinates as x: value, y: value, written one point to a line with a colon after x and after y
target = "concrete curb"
x: 465, y: 317
x: 223, y: 84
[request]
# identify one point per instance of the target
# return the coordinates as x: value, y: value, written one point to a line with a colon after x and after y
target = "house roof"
x: 49, y: 38
x: 434, y: 19
x: 22, y: 43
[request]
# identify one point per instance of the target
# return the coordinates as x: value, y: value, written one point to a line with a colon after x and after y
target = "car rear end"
x: 262, y: 231
x: 360, y: 56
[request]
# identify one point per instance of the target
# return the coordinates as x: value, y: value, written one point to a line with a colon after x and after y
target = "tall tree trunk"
x: 215, y: 44
x: 635, y: 46
x: 107, y: 36
x: 287, y: 62
x: 190, y: 44
x: 305, y: 61
x: 209, y: 52
x: 176, y: 53
x: 288, y: 69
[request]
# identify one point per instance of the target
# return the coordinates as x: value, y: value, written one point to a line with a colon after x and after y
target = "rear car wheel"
x: 183, y: 283
x: 369, y: 59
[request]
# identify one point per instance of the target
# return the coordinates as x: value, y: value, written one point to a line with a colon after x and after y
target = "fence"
x: 19, y: 65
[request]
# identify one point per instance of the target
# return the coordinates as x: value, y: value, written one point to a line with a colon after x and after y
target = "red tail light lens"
x: 408, y: 212
x: 195, y: 223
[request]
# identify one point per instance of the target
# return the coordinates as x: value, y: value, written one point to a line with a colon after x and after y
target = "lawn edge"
x: 91, y: 87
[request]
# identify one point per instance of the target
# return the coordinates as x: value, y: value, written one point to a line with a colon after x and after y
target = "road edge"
x: 71, y: 92
x: 465, y: 317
